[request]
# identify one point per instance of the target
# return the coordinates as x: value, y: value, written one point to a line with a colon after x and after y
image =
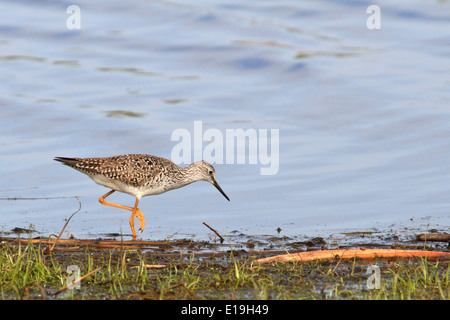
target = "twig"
x: 217, y: 234
x: 351, y: 253
x: 34, y: 198
x: 182, y: 285
x: 65, y: 225
x: 444, y: 237
x: 75, y: 281
x: 156, y: 266
x: 41, y: 290
x: 101, y: 243
x: 425, y: 240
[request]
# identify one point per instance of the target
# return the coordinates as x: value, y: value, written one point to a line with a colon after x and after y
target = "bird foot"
x: 141, y: 218
x: 137, y: 213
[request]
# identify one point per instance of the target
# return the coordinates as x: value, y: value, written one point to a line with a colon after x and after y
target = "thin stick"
x: 182, y: 285
x: 75, y: 281
x: 444, y: 237
x: 217, y: 234
x: 65, y: 225
x: 101, y: 243
x: 34, y: 198
x: 156, y: 266
x: 351, y: 253
x: 42, y: 291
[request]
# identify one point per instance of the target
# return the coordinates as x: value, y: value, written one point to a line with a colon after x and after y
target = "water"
x: 363, y: 115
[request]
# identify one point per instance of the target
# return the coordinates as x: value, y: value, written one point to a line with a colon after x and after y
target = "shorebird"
x: 140, y: 175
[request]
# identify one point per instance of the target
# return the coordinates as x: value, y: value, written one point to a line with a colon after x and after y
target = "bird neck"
x: 190, y: 174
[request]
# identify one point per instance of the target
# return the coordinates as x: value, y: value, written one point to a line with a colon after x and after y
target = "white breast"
x: 120, y: 186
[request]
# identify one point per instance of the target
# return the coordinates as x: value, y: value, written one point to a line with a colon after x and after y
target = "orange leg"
x: 134, y: 212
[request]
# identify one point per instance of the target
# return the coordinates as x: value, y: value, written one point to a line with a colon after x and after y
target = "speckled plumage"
x: 137, y: 171
x: 140, y: 175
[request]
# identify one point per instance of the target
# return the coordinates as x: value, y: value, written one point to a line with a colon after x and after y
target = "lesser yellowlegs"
x: 140, y: 175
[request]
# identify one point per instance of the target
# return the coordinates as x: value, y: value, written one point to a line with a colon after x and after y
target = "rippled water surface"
x: 363, y: 115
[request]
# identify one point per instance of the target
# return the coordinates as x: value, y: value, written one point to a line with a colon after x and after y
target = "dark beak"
x: 220, y: 189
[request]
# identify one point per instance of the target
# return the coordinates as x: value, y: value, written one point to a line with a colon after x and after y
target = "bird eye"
x: 210, y: 172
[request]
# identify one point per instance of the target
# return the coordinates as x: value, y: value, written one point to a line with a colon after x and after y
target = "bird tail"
x: 71, y: 162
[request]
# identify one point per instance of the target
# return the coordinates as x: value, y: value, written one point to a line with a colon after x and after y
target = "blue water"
x: 363, y: 115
